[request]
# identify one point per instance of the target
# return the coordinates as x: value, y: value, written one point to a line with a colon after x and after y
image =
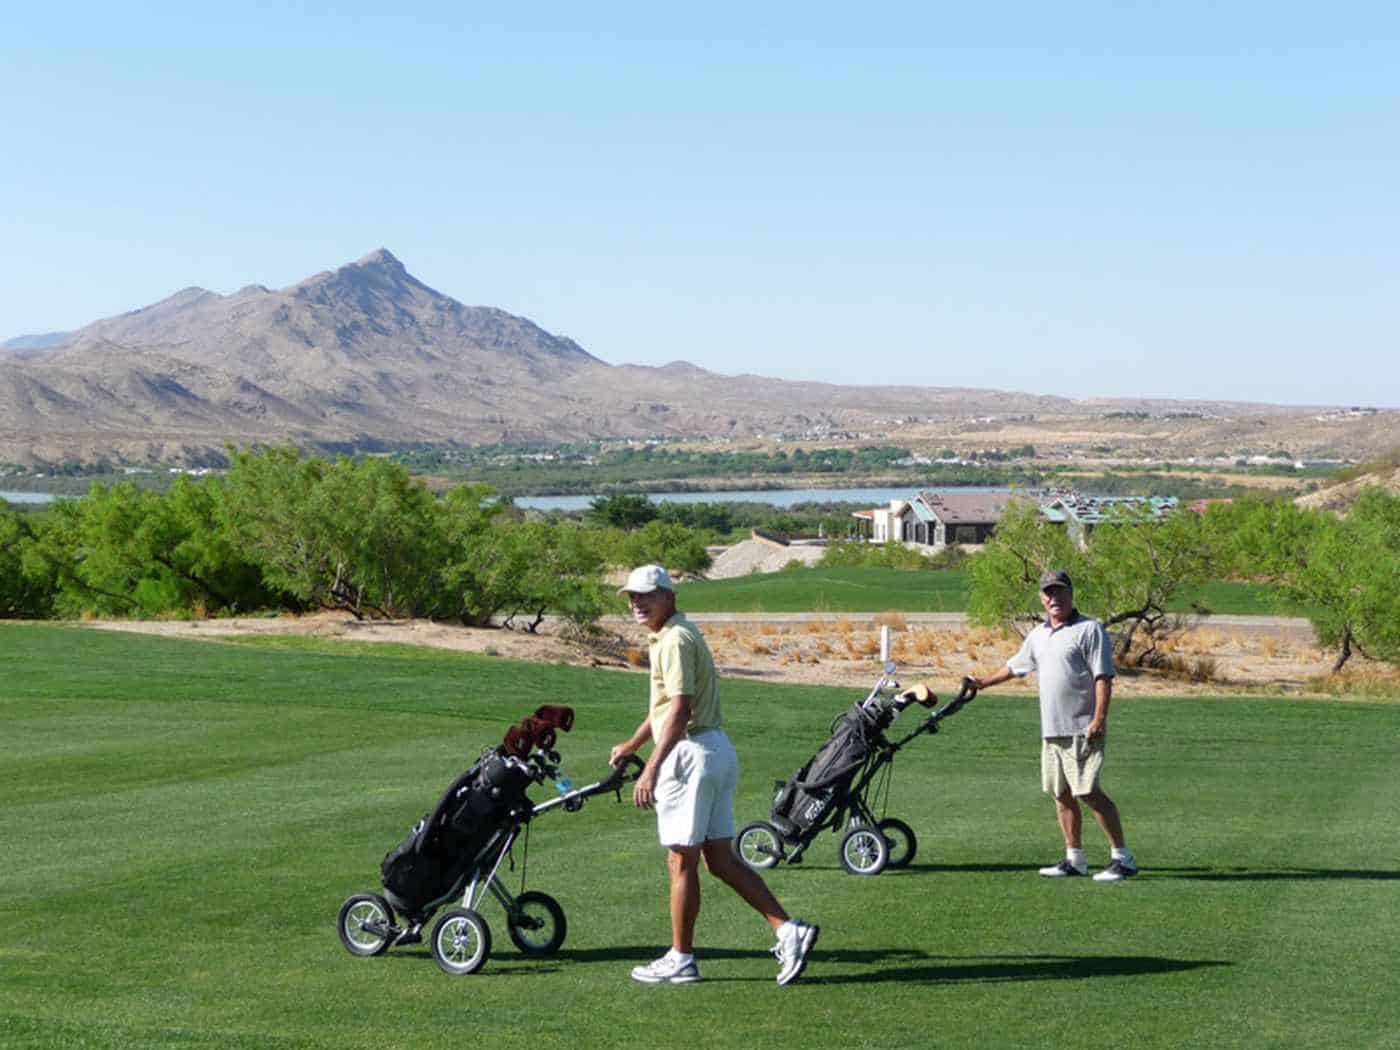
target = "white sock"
x: 1122, y: 853
x: 1075, y: 857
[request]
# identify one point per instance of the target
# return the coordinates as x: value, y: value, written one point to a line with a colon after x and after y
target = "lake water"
x: 28, y: 497
x: 775, y: 497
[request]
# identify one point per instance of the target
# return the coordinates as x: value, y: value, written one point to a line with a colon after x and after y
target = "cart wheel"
x: 900, y: 841
x: 759, y: 845
x: 864, y: 851
x: 364, y: 924
x: 537, y: 925
x: 461, y: 941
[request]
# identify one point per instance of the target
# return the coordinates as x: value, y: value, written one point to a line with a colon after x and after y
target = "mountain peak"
x: 378, y: 275
x: 381, y: 258
x: 185, y: 297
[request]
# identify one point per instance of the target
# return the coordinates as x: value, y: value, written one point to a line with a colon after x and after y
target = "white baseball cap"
x: 647, y: 578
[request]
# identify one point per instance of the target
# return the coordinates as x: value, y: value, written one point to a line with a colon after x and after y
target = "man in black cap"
x: 1074, y: 660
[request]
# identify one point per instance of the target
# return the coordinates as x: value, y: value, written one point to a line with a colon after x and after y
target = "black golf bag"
x: 803, y: 802
x: 845, y: 785
x: 457, y: 850
x: 445, y: 844
x: 425, y: 865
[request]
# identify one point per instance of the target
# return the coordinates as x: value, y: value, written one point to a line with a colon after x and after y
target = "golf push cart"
x: 844, y: 785
x: 457, y: 849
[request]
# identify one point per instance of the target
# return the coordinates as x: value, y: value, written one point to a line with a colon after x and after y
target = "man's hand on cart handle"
x: 621, y: 767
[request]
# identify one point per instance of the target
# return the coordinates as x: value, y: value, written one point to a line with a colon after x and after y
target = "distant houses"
x: 965, y: 517
x: 1081, y: 514
x: 936, y: 519
x: 876, y: 525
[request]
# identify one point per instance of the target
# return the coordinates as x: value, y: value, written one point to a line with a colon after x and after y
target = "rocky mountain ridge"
x: 368, y: 356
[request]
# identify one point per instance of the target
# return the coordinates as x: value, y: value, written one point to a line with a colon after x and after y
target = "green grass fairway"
x: 874, y: 590
x: 181, y: 821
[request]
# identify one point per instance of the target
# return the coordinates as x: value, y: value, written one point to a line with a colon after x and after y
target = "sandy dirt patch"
x: 840, y: 650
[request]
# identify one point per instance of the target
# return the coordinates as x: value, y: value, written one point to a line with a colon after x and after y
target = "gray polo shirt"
x: 1068, y: 659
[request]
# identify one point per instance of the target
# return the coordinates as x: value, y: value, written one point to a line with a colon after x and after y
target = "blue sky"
x: 1168, y: 200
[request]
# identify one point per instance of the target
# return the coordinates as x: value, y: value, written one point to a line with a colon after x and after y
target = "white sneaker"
x: 1065, y: 868
x: 1122, y: 868
x: 795, y: 940
x: 667, y: 970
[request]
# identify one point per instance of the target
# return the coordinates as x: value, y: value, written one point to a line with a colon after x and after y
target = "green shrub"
x: 856, y: 554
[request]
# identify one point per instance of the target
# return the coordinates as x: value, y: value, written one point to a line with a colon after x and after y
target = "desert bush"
x: 1345, y: 571
x: 869, y: 645
x: 1368, y: 681
x: 1132, y: 568
x: 855, y: 553
x: 921, y: 641
x: 354, y: 536
x: 123, y: 551
x: 26, y: 585
x: 1204, y: 669
x: 950, y: 557
x: 289, y: 531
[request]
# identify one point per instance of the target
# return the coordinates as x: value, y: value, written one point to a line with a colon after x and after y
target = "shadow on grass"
x: 826, y: 862
x: 974, y: 869
x: 893, y: 965
x: 1201, y: 873
x: 980, y: 969
x: 510, y: 959
x: 986, y: 969
x: 826, y: 865
x: 1273, y: 875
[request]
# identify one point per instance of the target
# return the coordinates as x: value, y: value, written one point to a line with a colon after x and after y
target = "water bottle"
x: 562, y: 783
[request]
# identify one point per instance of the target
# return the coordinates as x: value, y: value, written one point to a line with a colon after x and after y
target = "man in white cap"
x: 690, y: 779
x: 1073, y: 657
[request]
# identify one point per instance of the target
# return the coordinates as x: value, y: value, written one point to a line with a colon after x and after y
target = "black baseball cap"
x: 1055, y: 578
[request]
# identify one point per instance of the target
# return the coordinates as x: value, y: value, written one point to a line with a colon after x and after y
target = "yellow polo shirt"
x: 681, y: 665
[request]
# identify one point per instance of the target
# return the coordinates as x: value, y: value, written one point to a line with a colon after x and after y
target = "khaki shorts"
x: 1070, y: 763
x: 695, y: 790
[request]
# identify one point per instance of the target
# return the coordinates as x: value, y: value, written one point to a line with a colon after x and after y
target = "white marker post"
x: 884, y: 643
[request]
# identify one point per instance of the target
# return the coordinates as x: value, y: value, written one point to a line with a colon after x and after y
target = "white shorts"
x: 695, y: 790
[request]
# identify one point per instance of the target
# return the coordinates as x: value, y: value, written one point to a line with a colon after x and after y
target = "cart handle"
x: 626, y: 771
x: 967, y: 692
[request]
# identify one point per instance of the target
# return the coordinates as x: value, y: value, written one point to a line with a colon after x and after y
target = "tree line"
x: 286, y: 531
x: 1343, y: 570
x: 282, y: 530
